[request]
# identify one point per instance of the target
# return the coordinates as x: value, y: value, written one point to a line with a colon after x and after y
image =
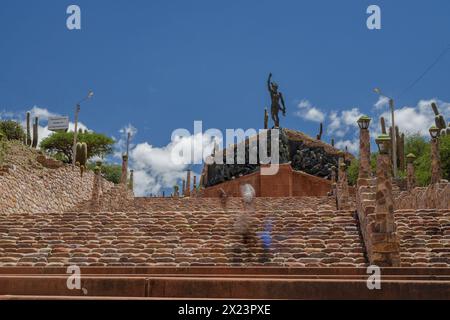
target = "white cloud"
x: 155, y: 168
x: 308, y: 112
x: 121, y: 143
x: 352, y: 145
x: 418, y: 119
x: 41, y: 113
x: 350, y: 117
x: 381, y: 103
x: 341, y: 123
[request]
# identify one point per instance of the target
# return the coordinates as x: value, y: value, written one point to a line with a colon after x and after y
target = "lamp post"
x: 364, y: 147
x: 75, y: 133
x: 436, y: 174
x: 394, y: 144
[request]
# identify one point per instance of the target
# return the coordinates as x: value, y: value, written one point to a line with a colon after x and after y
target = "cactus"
x: 435, y: 109
x: 383, y: 125
x: 401, y: 151
x: 28, y: 136
x: 81, y: 156
x: 35, y: 132
x: 439, y: 118
x: 319, y: 136
x: 332, y: 142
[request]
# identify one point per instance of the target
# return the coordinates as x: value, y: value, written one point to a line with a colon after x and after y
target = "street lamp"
x: 410, y: 158
x: 434, y: 132
x: 75, y: 133
x: 364, y: 122
x: 394, y: 145
x: 383, y: 142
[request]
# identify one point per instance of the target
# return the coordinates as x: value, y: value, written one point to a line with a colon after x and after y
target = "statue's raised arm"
x: 268, y: 83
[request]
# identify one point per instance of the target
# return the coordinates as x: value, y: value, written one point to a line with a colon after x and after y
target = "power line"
x: 441, y: 55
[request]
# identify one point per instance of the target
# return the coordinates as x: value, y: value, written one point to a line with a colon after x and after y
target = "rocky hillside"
x: 30, y: 183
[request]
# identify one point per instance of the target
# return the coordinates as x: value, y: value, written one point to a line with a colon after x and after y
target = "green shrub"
x: 111, y: 172
x: 12, y: 130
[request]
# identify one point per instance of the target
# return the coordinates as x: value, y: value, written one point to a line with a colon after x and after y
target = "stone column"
x: 436, y: 173
x: 343, y: 192
x: 96, y: 188
x: 410, y: 172
x: 364, y: 154
x: 384, y: 244
x: 131, y: 180
x: 194, y: 187
x: 123, y: 178
x: 340, y: 162
x: 188, y: 183
x: 183, y: 188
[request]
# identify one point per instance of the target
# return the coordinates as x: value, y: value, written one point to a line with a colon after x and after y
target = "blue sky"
x: 160, y: 65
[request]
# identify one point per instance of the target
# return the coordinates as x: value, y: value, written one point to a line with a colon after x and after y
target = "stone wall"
x: 29, y: 187
x: 286, y: 183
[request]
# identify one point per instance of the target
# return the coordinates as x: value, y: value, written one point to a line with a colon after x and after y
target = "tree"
x: 12, y: 130
x: 420, y: 147
x: 111, y: 172
x: 353, y: 172
x: 61, y: 143
x: 353, y: 169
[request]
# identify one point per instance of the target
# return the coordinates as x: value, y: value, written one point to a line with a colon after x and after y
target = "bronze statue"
x: 275, y: 96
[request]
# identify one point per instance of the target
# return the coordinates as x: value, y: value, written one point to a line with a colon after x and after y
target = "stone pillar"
x: 333, y: 180
x: 183, y: 188
x: 384, y: 244
x: 123, y: 178
x: 436, y: 172
x: 340, y: 167
x: 364, y: 154
x: 96, y: 188
x: 410, y: 172
x: 131, y: 180
x: 343, y: 192
x: 194, y: 187
x: 188, y: 183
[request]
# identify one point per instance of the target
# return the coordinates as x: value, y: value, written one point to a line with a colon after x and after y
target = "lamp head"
x: 434, y: 132
x: 383, y: 142
x: 364, y: 122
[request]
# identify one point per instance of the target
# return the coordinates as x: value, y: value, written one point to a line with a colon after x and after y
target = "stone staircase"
x: 424, y: 237
x: 203, y: 235
x: 216, y: 204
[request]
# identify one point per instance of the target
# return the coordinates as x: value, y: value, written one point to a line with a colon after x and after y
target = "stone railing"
x: 376, y: 218
x: 435, y: 196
